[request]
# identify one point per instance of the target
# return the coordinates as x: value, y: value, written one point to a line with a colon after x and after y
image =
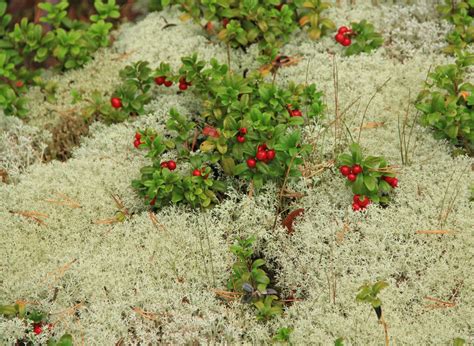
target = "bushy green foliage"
x: 460, y: 14
x: 241, y: 23
x: 36, y: 323
x: 364, y: 38
x: 231, y: 105
x: 375, y: 181
x: 368, y: 293
x: 447, y: 103
x: 26, y: 48
x: 283, y: 335
x: 249, y: 279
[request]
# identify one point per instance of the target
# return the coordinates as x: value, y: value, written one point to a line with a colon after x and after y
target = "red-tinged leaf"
x: 288, y: 221
x: 210, y: 131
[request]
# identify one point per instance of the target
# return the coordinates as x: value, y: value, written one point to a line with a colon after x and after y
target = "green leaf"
x: 228, y: 165
x: 240, y: 168
x: 370, y: 182
x: 66, y: 340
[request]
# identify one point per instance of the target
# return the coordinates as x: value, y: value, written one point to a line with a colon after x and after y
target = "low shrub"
x: 370, y: 178
x: 447, y: 103
x: 269, y: 23
x: 246, y: 128
x: 26, y: 49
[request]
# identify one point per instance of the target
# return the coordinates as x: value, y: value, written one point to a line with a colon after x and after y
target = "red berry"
x: 164, y: 164
x: 356, y: 169
x: 261, y: 155
x: 19, y: 84
x: 243, y: 131
x: 160, y: 80
x: 339, y: 38
x: 171, y: 165
x: 342, y: 30
x: 251, y: 163
x: 168, y: 83
x: 356, y: 199
x: 262, y: 147
x: 240, y: 139
x: 346, y: 42
x: 225, y: 21
x: 270, y: 154
x: 37, y: 329
x: 153, y: 201
x: 394, y: 183
x: 116, y: 102
x: 345, y: 170
x: 296, y: 113
x: 197, y: 173
x: 352, y: 177
x: 364, y: 203
x: 355, y: 207
x: 138, y: 136
x: 137, y: 143
x: 183, y: 86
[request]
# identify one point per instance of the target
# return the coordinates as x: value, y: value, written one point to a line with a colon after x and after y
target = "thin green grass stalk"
x: 453, y: 198
x: 210, y: 249
x: 203, y: 253
x: 377, y: 90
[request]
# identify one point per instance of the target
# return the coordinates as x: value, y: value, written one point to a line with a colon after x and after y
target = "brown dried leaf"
x: 288, y: 221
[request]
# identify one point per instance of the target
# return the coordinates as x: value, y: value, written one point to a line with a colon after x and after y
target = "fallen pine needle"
x: 108, y: 221
x: 65, y: 200
x: 435, y: 232
x: 439, y: 303
x: 70, y: 310
x: 36, y: 216
x: 145, y: 314
x: 227, y: 294
x: 58, y: 273
x: 155, y: 221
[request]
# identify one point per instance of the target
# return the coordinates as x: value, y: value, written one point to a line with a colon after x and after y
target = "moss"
x: 166, y: 269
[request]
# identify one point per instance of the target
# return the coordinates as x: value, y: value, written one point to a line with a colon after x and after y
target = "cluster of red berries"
x: 161, y: 80
x: 241, y: 136
x: 116, y: 102
x: 351, y: 173
x: 393, y: 182
x: 38, y: 327
x: 294, y: 112
x: 359, y: 204
x: 343, y: 36
x: 263, y: 154
x: 138, y: 140
x: 183, y: 85
x: 171, y: 165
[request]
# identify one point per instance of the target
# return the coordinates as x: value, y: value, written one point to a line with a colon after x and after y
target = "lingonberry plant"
x: 283, y: 335
x: 246, y: 128
x: 360, y: 38
x: 249, y: 279
x: 26, y: 48
x: 36, y: 325
x: 447, y: 103
x: 269, y: 23
x: 370, y: 178
x: 368, y: 294
x: 460, y: 14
